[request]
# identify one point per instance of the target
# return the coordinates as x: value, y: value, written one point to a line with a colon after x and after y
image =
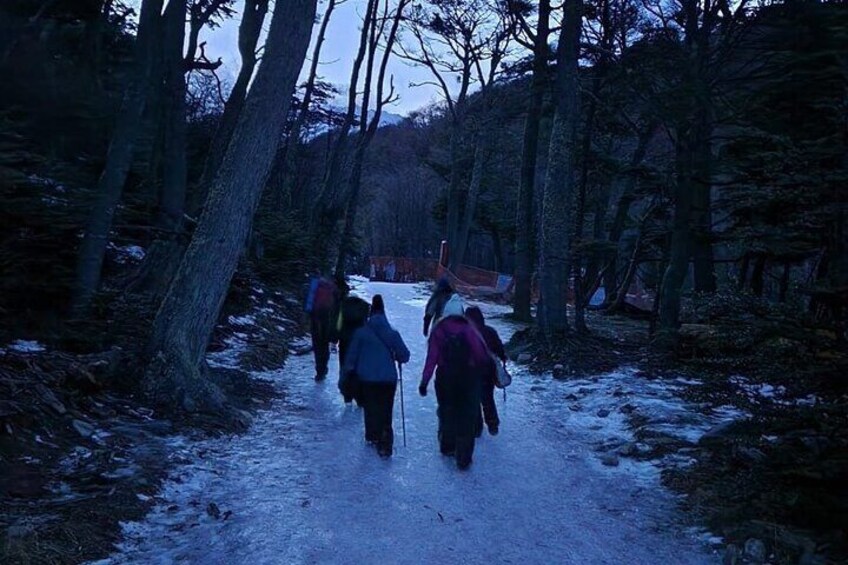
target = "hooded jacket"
x: 437, y: 345
x: 374, y: 352
x: 490, y: 335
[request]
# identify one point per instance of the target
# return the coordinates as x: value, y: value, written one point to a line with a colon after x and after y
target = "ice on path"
x: 302, y: 486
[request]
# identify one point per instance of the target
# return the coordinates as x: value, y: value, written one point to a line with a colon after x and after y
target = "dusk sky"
x: 337, y: 56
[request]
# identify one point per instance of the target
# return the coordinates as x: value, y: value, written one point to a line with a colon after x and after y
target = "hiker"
x: 436, y: 304
x: 458, y: 354
x: 352, y: 315
x: 497, y: 353
x: 322, y: 302
x: 372, y: 359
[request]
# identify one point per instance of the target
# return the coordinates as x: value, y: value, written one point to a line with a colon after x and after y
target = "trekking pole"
x: 402, y: 411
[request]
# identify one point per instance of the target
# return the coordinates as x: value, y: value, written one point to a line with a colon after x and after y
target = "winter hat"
x: 475, y: 315
x: 377, y: 305
x: 454, y: 307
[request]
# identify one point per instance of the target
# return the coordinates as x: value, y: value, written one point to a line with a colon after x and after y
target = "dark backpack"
x: 457, y: 355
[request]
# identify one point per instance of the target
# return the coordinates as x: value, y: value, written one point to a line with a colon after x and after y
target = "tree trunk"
x: 191, y: 307
x: 110, y: 187
x: 525, y: 221
x: 622, y: 210
x: 743, y: 272
x: 757, y: 282
x: 250, y: 28
x: 784, y: 281
x: 680, y: 246
x: 561, y: 180
x: 454, y: 194
x: 164, y: 254
x: 470, y: 200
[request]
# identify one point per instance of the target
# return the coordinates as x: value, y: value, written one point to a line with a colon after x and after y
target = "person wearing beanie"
x: 458, y: 355
x: 372, y: 359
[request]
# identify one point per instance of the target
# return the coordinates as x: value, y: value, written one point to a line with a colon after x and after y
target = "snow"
x: 125, y: 254
x: 303, y: 487
x: 26, y: 346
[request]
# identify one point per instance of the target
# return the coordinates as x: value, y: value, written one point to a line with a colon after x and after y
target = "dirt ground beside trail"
x: 80, y: 452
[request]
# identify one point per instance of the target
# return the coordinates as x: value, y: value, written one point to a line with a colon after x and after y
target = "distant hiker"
x: 459, y: 352
x: 322, y: 303
x: 372, y: 359
x: 497, y: 353
x: 352, y: 315
x: 436, y: 304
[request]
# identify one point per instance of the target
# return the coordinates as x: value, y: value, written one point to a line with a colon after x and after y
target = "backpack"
x: 324, y: 295
x: 457, y: 354
x: 310, y: 296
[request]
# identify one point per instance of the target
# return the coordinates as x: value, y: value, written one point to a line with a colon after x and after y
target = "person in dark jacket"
x: 496, y: 348
x: 373, y: 356
x: 322, y: 304
x: 459, y: 352
x: 440, y: 297
x: 352, y: 315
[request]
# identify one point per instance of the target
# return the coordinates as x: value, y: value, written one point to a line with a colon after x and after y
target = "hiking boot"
x: 493, y: 429
x: 320, y: 377
x: 384, y: 450
x: 463, y: 463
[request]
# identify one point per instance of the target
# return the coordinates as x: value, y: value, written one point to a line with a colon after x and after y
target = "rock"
x: 718, y: 434
x: 731, y: 555
x: 751, y: 454
x: 84, y: 429
x: 628, y: 449
x: 755, y: 550
x: 627, y: 409
x: 558, y: 370
x: 524, y: 358
x: 609, y: 459
x: 50, y: 399
x: 603, y: 413
x: 213, y: 510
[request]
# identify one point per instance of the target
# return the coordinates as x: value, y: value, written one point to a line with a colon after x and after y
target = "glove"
x: 422, y: 389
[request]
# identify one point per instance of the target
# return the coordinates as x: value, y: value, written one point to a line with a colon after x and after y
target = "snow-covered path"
x: 302, y: 486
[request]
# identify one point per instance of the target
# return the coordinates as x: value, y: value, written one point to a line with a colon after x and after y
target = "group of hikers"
x: 466, y: 355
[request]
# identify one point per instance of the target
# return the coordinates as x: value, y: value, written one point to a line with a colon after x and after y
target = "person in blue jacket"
x: 373, y: 356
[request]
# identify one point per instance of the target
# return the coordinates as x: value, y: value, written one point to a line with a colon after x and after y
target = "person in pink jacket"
x: 458, y: 355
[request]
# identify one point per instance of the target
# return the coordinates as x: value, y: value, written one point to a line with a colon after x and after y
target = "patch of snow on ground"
x: 125, y: 254
x: 247, y: 320
x: 26, y: 346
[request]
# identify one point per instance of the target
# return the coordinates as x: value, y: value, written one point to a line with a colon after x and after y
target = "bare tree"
x: 455, y: 39
x: 368, y: 127
x: 191, y: 307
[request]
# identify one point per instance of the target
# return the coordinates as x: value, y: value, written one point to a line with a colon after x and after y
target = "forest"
x: 663, y: 181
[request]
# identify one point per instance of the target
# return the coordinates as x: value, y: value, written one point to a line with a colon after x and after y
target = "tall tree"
x: 163, y: 256
x: 185, y: 320
x: 558, y: 206
x: 525, y: 221
x: 110, y: 186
